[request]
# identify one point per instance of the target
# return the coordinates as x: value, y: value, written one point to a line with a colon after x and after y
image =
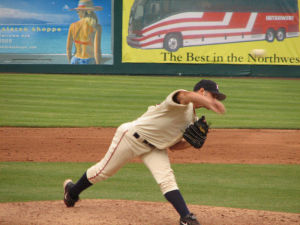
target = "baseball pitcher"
x: 174, y: 125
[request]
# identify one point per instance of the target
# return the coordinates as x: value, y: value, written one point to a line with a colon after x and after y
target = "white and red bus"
x: 172, y: 24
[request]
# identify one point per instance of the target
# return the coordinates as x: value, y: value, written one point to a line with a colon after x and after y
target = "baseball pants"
x: 125, y: 147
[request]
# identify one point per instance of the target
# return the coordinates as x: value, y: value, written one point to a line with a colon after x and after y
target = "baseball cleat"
x: 190, y: 219
x: 68, y: 200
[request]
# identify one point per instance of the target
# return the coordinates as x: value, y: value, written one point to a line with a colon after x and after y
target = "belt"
x: 137, y: 136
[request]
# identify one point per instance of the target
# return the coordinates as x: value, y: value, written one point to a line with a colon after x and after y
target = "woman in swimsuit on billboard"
x: 86, y: 35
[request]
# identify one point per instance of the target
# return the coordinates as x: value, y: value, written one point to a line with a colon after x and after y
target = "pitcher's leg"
x: 118, y: 154
x: 159, y: 164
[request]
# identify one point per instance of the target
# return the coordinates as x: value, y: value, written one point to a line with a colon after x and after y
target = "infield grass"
x: 261, y: 187
x: 108, y: 101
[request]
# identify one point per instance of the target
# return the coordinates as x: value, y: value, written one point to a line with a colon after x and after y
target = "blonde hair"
x: 90, y: 18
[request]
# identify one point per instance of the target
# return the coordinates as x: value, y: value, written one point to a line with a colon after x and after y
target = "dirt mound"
x: 123, y: 212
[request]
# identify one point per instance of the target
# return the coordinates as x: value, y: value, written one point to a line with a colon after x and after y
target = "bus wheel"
x: 172, y: 42
x: 280, y: 34
x: 270, y: 35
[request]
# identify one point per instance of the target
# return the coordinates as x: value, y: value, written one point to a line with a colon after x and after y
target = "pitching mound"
x: 120, y: 212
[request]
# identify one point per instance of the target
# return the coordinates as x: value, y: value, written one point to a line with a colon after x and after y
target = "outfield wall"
x: 114, y: 62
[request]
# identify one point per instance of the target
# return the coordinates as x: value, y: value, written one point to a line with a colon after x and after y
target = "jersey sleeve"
x: 170, y: 103
x: 170, y: 99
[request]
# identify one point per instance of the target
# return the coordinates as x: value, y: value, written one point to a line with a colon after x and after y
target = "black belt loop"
x: 147, y: 143
x: 137, y: 136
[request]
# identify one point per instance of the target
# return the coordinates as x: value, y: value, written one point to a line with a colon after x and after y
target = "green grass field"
x: 82, y: 101
x: 264, y: 187
x: 108, y: 101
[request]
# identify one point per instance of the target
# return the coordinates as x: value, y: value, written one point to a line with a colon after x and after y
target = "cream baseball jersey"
x: 163, y: 125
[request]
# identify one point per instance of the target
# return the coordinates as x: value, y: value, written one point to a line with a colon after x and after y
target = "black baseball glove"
x: 196, y: 133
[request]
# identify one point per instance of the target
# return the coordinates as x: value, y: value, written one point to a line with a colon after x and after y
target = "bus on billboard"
x: 172, y: 24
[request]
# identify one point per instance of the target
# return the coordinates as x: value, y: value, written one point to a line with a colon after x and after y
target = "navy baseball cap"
x: 210, y: 86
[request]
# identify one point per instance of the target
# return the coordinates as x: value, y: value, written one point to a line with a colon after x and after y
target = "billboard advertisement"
x: 211, y: 31
x: 56, y: 32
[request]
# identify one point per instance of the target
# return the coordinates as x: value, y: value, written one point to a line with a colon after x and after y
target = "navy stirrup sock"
x: 82, y: 184
x: 176, y: 199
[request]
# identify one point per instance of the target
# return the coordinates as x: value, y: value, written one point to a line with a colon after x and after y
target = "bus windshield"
x: 144, y: 12
x: 137, y: 10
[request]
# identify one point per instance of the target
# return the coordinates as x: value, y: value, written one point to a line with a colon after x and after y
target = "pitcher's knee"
x: 94, y: 175
x: 168, y: 184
